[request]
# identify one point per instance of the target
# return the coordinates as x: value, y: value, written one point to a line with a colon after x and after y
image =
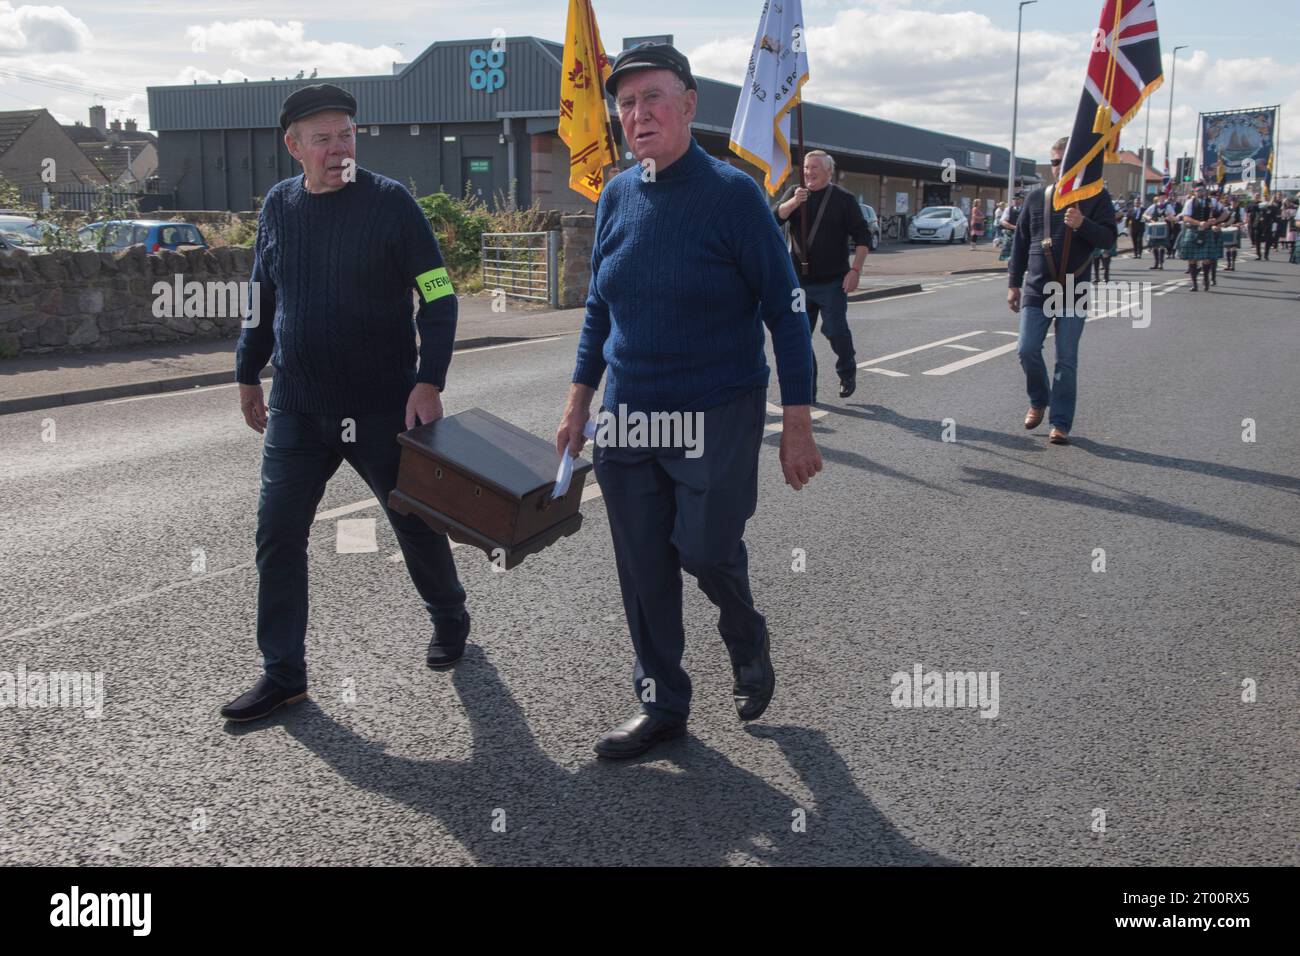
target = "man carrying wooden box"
x: 687, y: 267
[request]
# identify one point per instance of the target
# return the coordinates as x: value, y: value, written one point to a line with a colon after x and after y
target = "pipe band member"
x: 1200, y: 242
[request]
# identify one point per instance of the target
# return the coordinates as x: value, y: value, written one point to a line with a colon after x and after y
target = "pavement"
x: 1134, y: 592
x: 33, y: 382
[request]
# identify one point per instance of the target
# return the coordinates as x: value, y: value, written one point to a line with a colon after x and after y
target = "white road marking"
x: 355, y: 536
x: 972, y: 360
x: 91, y: 612
x: 919, y: 348
x: 346, y: 509
x: 211, y: 388
x: 890, y: 372
x: 507, y: 345
x: 171, y: 394
x: 893, y: 298
x: 962, y: 348
x: 1012, y: 334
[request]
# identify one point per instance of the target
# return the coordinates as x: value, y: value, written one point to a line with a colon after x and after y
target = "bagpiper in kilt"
x: 1231, y: 233
x: 1158, y: 230
x: 1200, y: 242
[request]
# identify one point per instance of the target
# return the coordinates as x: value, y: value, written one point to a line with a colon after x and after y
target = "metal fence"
x: 524, y: 265
x: 86, y: 200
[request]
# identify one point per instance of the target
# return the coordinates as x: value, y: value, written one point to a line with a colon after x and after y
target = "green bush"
x: 459, y: 225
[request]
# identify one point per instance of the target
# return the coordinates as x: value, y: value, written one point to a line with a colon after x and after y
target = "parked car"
x: 114, y: 235
x: 23, y: 232
x: 873, y: 228
x: 938, y: 224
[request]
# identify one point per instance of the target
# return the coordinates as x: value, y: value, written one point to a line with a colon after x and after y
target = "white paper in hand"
x: 564, y: 474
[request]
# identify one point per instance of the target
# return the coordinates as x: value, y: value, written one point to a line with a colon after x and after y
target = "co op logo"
x: 487, y: 71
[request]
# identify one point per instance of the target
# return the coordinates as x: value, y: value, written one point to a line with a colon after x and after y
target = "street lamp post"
x: 1169, y: 131
x: 1015, y: 105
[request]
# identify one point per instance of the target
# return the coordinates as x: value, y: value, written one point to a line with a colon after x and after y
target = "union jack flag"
x: 1123, y: 70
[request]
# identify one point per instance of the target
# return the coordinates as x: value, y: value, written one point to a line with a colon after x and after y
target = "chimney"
x: 116, y: 125
x: 130, y: 126
x: 98, y: 118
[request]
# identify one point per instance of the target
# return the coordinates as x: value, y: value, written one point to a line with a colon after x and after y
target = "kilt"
x: 1005, y: 252
x: 1295, y: 254
x: 1157, y: 236
x: 1197, y: 244
x: 1113, y: 251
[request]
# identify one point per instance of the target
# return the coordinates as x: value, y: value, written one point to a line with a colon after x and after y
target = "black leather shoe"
x: 634, y: 737
x: 265, y: 697
x: 847, y: 387
x: 755, y: 683
x: 448, y: 644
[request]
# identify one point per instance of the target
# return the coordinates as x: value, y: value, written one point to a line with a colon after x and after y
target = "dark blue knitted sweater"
x: 686, y: 270
x: 336, y: 273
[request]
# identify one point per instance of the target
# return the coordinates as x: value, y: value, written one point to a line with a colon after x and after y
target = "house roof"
x: 13, y: 124
x: 109, y: 159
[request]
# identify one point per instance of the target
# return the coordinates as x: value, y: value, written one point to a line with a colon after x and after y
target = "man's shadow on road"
x: 706, y: 812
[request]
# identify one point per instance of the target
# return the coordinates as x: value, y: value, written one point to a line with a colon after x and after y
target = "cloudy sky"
x: 942, y: 64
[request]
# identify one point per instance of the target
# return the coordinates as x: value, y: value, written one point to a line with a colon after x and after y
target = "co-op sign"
x: 487, y: 68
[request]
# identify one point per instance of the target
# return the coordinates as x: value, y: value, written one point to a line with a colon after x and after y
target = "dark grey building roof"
x: 434, y: 88
x: 13, y: 124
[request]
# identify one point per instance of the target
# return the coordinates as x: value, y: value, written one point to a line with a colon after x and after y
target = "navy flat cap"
x: 316, y: 98
x: 650, y: 56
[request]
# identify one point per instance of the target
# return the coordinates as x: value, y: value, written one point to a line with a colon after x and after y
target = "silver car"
x: 938, y: 224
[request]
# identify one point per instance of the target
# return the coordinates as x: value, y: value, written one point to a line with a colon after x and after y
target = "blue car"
x: 114, y: 235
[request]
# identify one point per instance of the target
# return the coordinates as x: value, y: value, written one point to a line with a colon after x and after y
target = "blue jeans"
x: 300, y: 453
x: 669, y: 514
x: 829, y: 300
x: 1060, y: 393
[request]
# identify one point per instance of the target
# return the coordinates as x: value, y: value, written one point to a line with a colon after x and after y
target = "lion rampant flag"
x: 584, y: 117
x: 1124, y: 69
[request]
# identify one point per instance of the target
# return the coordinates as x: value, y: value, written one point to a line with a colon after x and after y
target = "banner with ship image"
x: 1242, y: 140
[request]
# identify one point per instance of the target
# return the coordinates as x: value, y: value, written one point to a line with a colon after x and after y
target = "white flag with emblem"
x: 778, y: 69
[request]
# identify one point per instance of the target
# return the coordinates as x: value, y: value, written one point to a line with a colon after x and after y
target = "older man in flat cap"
x: 338, y: 254
x: 687, y: 267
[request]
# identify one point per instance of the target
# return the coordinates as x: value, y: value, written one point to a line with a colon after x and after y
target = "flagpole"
x: 1146, y: 139
x: 803, y: 220
x: 1196, y: 151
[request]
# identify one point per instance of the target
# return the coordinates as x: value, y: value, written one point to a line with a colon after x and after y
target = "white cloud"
x: 30, y: 29
x: 284, y: 48
x: 953, y: 71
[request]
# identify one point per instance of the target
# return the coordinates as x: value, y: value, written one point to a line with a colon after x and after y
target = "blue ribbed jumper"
x: 686, y: 270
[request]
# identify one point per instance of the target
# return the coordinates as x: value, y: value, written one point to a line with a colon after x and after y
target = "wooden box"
x: 485, y: 483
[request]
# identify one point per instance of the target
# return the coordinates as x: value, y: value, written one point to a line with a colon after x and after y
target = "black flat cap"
x: 650, y: 56
x: 316, y: 99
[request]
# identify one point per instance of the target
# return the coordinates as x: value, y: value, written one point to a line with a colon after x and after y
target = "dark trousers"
x: 830, y: 302
x: 1135, y: 235
x: 668, y: 514
x: 300, y: 453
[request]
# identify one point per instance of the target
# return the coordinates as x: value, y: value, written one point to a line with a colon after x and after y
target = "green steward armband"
x: 434, y: 284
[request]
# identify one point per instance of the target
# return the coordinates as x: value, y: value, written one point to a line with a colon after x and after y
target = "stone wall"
x: 578, y: 234
x: 74, y: 301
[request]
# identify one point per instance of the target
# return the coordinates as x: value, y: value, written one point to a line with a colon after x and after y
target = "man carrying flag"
x: 1123, y: 71
x: 584, y: 118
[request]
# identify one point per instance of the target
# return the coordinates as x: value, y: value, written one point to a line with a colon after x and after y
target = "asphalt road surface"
x: 1146, y: 713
